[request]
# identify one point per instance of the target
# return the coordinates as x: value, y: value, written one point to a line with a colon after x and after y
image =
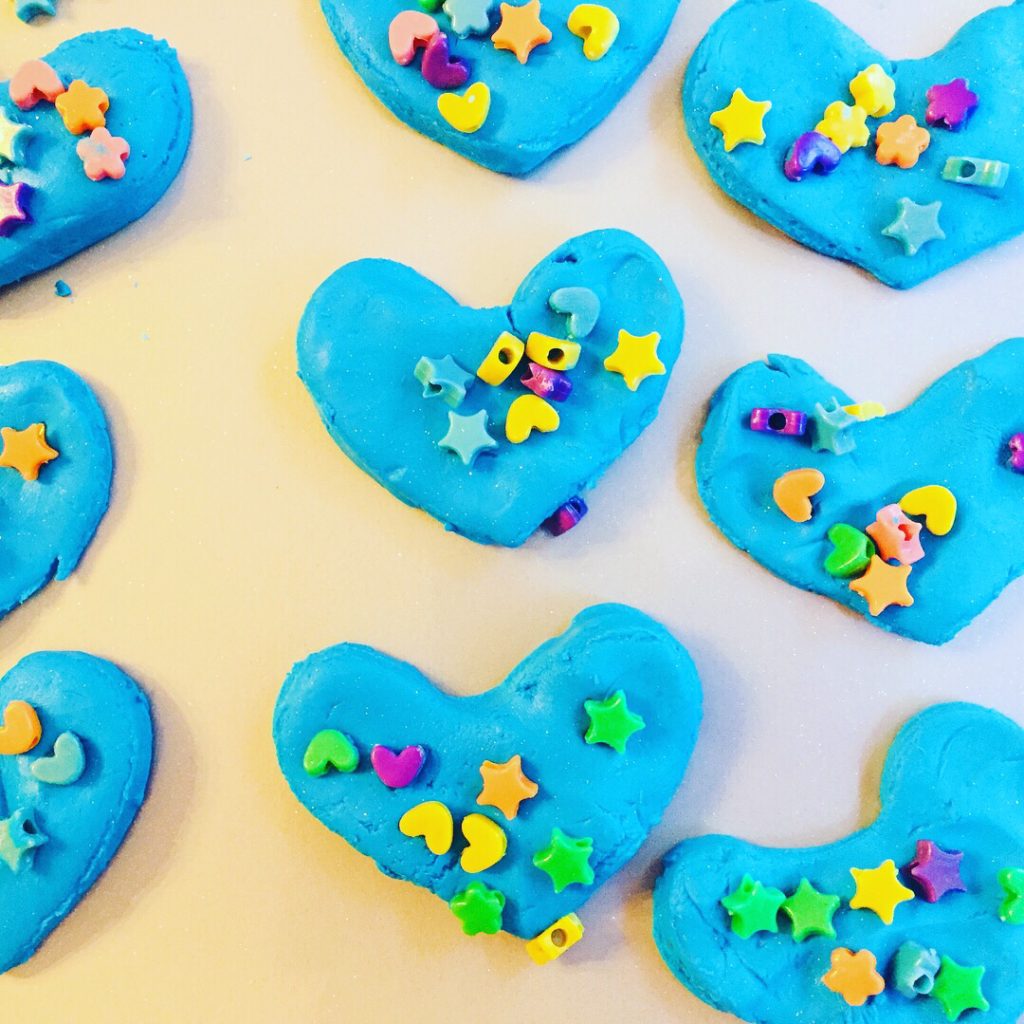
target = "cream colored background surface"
x: 240, y: 539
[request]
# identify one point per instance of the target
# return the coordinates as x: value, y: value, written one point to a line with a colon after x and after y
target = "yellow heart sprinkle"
x: 468, y: 112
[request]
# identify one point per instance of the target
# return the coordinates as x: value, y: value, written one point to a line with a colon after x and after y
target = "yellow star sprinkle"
x: 879, y: 889
x: 741, y: 121
x: 9, y: 132
x: 26, y: 450
x: 636, y: 358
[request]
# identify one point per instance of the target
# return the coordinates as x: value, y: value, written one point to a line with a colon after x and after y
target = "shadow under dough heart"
x: 958, y: 435
x: 73, y: 774
x: 645, y: 697
x: 368, y: 326
x: 953, y: 783
x: 814, y: 59
x: 536, y: 108
x: 65, y: 211
x: 56, y: 466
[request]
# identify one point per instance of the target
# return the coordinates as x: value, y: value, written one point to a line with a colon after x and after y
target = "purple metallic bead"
x: 812, y: 152
x: 779, y: 421
x: 439, y: 68
x: 565, y: 518
x: 1017, y: 452
x: 548, y: 383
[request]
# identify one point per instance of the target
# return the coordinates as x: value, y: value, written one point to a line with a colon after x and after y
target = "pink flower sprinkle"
x: 103, y: 155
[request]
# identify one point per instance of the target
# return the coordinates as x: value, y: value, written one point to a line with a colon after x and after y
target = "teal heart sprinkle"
x: 65, y: 765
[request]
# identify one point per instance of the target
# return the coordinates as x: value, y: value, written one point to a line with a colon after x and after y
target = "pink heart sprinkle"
x: 32, y: 82
x: 397, y: 771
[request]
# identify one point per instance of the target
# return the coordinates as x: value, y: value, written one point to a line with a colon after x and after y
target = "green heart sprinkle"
x: 330, y: 749
x: 852, y: 551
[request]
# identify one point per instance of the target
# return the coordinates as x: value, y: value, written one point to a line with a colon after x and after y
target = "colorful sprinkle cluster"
x: 517, y: 29
x: 82, y: 108
x: 933, y: 874
x: 898, y: 143
x: 506, y: 786
x: 546, y: 377
x: 20, y: 833
x: 878, y: 559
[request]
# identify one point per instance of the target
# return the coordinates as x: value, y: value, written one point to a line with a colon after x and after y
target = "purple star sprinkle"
x: 951, y: 104
x: 936, y: 871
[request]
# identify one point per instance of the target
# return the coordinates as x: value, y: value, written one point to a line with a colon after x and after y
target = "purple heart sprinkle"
x: 397, y: 771
x: 439, y: 68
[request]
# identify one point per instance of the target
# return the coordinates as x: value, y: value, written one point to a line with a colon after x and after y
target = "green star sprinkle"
x: 915, y: 225
x: 611, y: 721
x: 19, y: 837
x: 810, y: 912
x: 566, y: 859
x: 958, y: 989
x: 754, y: 908
x: 830, y: 429
x: 1011, y: 911
x: 478, y: 908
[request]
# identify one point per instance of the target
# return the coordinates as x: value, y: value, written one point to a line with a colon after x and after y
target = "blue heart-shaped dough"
x: 367, y: 326
x: 586, y: 789
x: 85, y: 821
x: 954, y: 777
x: 955, y: 435
x: 46, y: 524
x: 536, y: 109
x: 814, y: 57
x: 150, y: 107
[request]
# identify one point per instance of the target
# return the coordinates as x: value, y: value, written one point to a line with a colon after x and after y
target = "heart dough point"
x: 49, y: 521
x: 818, y: 63
x: 535, y: 719
x: 74, y: 796
x: 149, y: 105
x: 370, y: 324
x: 561, y: 92
x: 950, y: 790
x: 959, y: 431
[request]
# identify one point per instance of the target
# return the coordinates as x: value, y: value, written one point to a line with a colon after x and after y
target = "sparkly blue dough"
x: 536, y: 109
x: 956, y: 434
x: 47, y: 524
x: 150, y: 107
x: 954, y: 775
x: 367, y: 326
x: 814, y: 56
x: 537, y: 712
x: 86, y: 821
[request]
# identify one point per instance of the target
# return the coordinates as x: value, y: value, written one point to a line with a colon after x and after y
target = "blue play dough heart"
x: 536, y: 109
x: 537, y: 712
x: 953, y: 776
x: 150, y: 107
x: 84, y: 822
x: 46, y: 524
x: 956, y: 434
x: 367, y: 326
x: 814, y: 57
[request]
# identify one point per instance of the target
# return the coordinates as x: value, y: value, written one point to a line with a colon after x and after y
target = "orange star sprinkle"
x: 82, y: 107
x: 26, y: 450
x: 901, y: 142
x: 521, y: 30
x: 506, y: 786
x: 853, y: 976
x: 884, y: 585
